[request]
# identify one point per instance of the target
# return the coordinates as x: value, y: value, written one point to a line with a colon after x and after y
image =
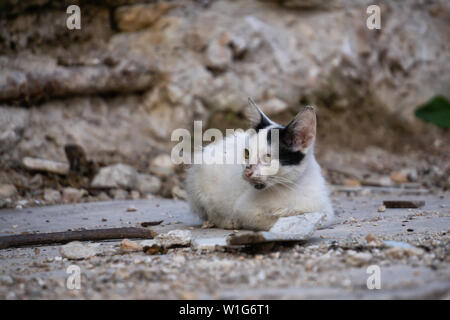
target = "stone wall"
x: 139, y: 69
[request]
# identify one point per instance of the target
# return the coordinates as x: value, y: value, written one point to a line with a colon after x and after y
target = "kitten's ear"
x: 256, y: 116
x: 300, y: 133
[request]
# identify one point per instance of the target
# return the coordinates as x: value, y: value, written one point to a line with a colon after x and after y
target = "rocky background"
x: 87, y: 114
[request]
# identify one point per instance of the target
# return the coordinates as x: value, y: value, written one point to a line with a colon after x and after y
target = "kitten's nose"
x: 248, y: 173
x: 260, y: 186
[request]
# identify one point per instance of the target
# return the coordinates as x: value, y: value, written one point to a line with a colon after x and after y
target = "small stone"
x: 358, y: 258
x: 72, y: 195
x: 398, y: 177
x: 77, y: 251
x: 162, y: 165
x: 52, y: 196
x: 116, y: 176
x: 129, y: 245
x: 135, y: 195
x: 382, y: 208
x: 131, y: 209
x: 36, y: 164
x: 103, y: 196
x: 174, y: 238
x: 373, y: 241
x: 119, y: 194
x: 207, y: 225
x: 218, y: 54
x: 7, y: 191
x: 147, y: 183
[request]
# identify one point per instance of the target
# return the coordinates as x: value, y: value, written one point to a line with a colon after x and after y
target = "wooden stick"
x: 403, y: 204
x: 68, y: 236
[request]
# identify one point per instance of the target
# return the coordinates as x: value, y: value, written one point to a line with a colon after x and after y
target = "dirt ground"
x: 333, y: 264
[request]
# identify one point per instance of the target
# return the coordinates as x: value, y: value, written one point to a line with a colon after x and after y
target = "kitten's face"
x: 275, y: 153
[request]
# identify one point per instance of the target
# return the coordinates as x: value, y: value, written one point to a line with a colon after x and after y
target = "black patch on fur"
x: 287, y: 156
x: 264, y: 123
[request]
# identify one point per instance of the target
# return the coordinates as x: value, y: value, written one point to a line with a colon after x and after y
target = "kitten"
x: 248, y: 195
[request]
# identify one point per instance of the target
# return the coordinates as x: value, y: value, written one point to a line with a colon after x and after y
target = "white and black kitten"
x: 251, y: 195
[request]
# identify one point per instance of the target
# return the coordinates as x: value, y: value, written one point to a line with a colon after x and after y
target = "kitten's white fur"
x: 219, y: 193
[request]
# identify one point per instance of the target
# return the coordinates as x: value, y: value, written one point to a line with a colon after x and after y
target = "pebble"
x: 162, y: 165
x: 72, y: 195
x: 76, y: 250
x: 131, y: 209
x: 128, y: 245
x: 358, y: 258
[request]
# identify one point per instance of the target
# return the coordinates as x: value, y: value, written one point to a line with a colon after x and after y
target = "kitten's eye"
x: 267, y: 158
x: 247, y: 154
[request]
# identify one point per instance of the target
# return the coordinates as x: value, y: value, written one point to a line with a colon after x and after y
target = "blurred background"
x: 86, y: 114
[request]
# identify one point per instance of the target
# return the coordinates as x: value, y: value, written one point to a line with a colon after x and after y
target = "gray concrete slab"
x: 323, y: 267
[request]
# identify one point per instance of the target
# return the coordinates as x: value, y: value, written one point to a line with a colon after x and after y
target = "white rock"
x: 174, y: 238
x: 162, y: 165
x: 77, y: 251
x: 36, y: 164
x: 299, y: 227
x: 116, y: 176
x: 52, y: 196
x: 72, y: 194
x: 170, y: 239
x: 147, y: 183
x: 209, y: 244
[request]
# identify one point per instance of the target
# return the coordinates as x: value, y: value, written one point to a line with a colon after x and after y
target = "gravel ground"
x: 332, y: 264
